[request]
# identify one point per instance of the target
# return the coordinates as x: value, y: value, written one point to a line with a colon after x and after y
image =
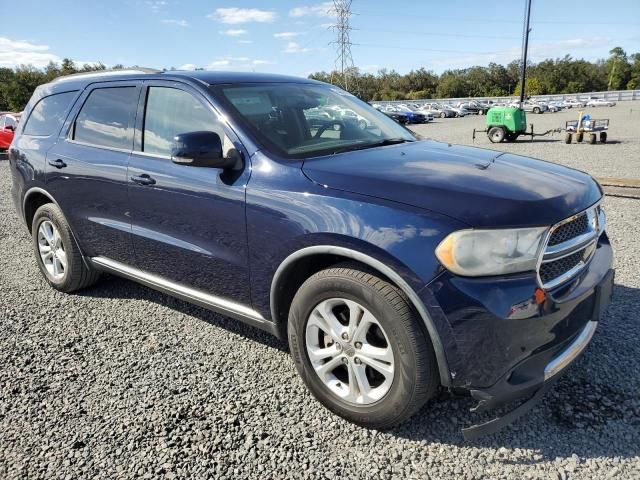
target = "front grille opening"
x: 570, y: 230
x: 552, y: 270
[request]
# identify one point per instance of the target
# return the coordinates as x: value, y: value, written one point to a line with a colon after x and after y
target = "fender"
x: 42, y: 191
x: 387, y: 271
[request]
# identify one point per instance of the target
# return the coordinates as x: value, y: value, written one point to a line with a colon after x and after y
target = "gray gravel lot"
x: 119, y: 381
x: 619, y: 157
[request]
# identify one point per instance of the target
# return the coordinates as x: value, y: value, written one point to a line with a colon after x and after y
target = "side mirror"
x: 201, y: 149
x: 10, y: 128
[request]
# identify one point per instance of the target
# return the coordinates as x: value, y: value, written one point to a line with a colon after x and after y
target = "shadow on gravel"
x: 114, y: 287
x: 575, y: 410
x: 576, y: 416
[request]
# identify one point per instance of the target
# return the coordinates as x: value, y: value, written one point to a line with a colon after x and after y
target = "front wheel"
x: 357, y: 344
x: 443, y: 115
x: 57, y: 254
x: 496, y: 134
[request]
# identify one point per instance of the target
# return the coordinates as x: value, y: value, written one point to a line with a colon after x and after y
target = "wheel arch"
x: 327, y: 255
x: 33, y: 199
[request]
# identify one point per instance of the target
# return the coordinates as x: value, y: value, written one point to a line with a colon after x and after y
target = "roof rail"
x: 99, y: 73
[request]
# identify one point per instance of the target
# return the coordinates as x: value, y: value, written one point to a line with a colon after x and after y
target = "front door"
x: 188, y: 223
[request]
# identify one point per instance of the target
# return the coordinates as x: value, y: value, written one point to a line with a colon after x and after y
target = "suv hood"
x: 483, y: 188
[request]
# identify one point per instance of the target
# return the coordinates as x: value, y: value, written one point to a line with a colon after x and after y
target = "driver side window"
x: 171, y: 111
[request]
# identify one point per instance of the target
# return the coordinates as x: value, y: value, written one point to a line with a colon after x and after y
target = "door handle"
x: 143, y: 179
x: 58, y: 163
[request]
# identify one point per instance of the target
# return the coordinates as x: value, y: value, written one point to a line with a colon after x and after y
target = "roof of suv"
x: 206, y: 77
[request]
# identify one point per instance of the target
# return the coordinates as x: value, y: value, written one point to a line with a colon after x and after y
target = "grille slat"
x: 552, y: 270
x: 552, y: 273
x: 570, y: 230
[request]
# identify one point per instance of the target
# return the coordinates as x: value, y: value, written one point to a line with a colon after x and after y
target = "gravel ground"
x: 119, y: 381
x: 618, y: 158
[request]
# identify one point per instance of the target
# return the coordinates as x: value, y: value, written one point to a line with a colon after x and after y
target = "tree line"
x: 563, y: 75
x: 17, y: 84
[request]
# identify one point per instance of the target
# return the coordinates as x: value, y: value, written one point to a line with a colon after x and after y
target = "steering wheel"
x: 324, y: 128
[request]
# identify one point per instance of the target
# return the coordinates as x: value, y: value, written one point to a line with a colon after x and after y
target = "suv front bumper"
x: 503, y: 349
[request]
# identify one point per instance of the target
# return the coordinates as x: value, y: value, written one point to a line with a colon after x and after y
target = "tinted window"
x: 47, y: 116
x: 105, y: 118
x: 170, y: 112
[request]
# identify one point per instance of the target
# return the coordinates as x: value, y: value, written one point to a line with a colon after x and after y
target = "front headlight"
x: 476, y: 253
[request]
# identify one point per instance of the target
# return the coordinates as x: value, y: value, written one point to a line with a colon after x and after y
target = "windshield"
x: 304, y: 120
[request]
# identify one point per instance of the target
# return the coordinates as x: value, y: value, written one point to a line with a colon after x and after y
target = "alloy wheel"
x: 52, y: 252
x: 349, y: 351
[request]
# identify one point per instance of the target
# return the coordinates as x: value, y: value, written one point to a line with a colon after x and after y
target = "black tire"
x: 512, y: 137
x: 496, y: 134
x: 443, y: 115
x: 536, y: 110
x: 567, y: 138
x: 579, y: 137
x: 593, y: 139
x: 416, y: 377
x: 77, y: 274
x: 603, y: 137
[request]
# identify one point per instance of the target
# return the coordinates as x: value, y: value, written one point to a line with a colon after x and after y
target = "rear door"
x: 87, y: 169
x: 188, y: 223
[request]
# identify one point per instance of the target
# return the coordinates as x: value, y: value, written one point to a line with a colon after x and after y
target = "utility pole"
x: 525, y: 48
x: 343, y: 73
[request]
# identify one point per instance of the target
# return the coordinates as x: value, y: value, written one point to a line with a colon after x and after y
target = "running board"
x: 211, y: 302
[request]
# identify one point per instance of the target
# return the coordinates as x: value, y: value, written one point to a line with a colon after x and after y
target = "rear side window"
x: 105, y: 119
x: 47, y: 116
x: 171, y: 111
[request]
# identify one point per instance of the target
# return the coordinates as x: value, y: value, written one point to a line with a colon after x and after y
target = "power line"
x: 493, y: 20
x: 344, y: 60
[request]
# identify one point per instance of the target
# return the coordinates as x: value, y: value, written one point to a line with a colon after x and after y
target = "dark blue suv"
x: 393, y: 266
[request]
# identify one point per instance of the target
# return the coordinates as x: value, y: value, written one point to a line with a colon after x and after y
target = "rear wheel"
x: 579, y: 137
x: 603, y: 137
x: 57, y: 254
x: 567, y: 138
x: 536, y: 110
x: 593, y: 138
x: 443, y: 115
x: 496, y: 134
x: 357, y: 343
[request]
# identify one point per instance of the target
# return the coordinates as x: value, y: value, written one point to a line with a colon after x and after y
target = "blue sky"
x: 292, y: 36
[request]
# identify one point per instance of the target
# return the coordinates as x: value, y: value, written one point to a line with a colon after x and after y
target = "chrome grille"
x: 570, y: 246
x: 570, y: 230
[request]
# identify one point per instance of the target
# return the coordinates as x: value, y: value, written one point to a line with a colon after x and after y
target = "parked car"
x: 459, y: 111
x: 8, y: 125
x: 532, y: 106
x: 573, y: 103
x: 437, y: 110
x: 393, y: 266
x: 600, y: 102
x: 475, y: 107
x: 555, y: 106
x: 399, y: 117
x: 412, y: 116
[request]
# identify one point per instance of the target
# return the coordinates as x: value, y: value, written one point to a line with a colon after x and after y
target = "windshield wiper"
x: 380, y: 143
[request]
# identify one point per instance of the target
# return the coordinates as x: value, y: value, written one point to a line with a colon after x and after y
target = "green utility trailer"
x: 507, y: 124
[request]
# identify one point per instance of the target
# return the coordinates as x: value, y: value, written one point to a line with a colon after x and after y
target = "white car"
x: 600, y: 102
x: 572, y: 103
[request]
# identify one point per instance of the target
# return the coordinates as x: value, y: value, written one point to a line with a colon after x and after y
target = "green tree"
x: 618, y: 69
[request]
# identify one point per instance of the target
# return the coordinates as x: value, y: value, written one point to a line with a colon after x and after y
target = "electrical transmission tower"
x: 343, y: 73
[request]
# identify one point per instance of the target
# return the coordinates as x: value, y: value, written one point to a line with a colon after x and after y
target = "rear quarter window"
x: 48, y: 114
